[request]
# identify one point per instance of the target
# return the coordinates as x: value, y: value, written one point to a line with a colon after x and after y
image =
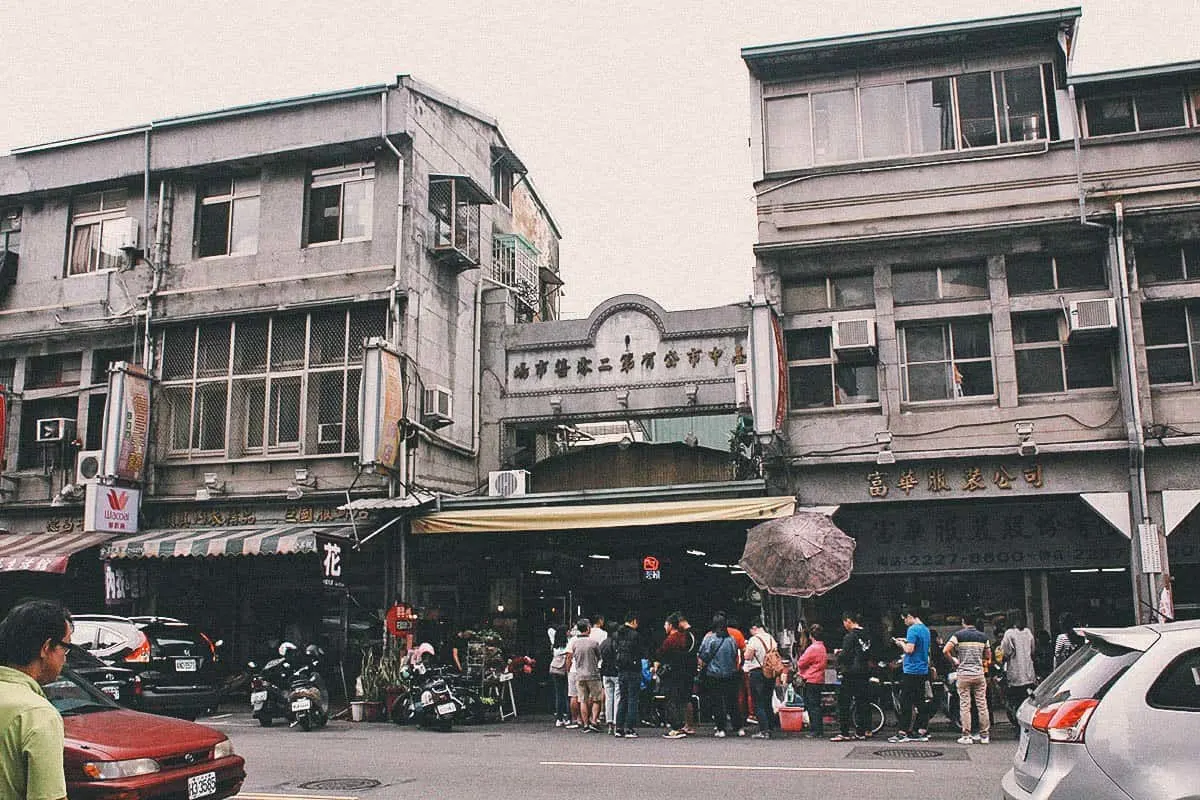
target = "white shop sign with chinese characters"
x: 111, y: 509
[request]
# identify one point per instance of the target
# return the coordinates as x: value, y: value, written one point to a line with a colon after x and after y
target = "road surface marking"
x: 266, y: 796
x: 220, y: 716
x: 730, y: 767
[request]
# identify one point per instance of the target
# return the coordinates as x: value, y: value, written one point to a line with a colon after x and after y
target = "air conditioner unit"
x: 124, y: 232
x: 88, y: 464
x: 55, y: 429
x: 1093, y: 315
x: 508, y: 483
x: 329, y: 433
x: 437, y: 410
x: 854, y: 336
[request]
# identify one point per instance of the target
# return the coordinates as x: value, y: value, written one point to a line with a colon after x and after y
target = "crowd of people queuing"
x: 614, y: 678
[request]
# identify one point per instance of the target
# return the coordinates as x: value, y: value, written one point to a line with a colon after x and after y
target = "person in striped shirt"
x: 971, y: 653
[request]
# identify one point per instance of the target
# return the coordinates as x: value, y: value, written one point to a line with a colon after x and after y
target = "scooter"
x: 308, y: 699
x: 431, y: 701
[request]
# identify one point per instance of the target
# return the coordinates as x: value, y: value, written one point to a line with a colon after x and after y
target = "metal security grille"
x: 286, y: 383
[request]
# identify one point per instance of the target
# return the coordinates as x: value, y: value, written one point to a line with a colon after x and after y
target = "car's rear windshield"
x: 167, y: 635
x: 70, y: 694
x: 1088, y: 673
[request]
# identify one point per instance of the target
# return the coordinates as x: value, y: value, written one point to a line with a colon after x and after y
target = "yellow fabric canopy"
x: 611, y: 515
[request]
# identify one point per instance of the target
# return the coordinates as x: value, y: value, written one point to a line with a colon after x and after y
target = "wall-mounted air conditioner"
x: 88, y: 464
x: 1087, y: 316
x: 329, y: 433
x: 854, y: 337
x: 124, y: 233
x: 437, y: 410
x: 55, y: 429
x: 508, y: 483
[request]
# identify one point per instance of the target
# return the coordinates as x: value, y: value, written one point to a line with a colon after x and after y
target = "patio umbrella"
x: 803, y: 555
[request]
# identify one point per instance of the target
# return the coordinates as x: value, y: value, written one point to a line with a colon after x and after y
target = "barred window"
x: 287, y: 383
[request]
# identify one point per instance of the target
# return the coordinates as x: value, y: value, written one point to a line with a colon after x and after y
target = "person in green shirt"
x: 34, y: 638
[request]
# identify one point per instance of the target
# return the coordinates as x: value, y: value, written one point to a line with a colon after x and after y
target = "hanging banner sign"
x: 331, y: 550
x: 3, y: 422
x: 111, y: 509
x: 126, y: 423
x: 381, y: 406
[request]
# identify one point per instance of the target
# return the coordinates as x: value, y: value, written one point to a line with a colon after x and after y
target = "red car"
x: 113, y: 753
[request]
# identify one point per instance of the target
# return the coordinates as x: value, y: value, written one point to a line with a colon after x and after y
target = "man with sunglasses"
x: 34, y: 639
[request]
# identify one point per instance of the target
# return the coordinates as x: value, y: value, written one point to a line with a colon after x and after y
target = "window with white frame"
x: 1172, y: 335
x: 1143, y: 110
x: 817, y: 380
x: 228, y: 216
x: 287, y: 383
x: 1029, y: 273
x: 946, y: 360
x: 1160, y: 263
x: 1048, y: 363
x: 957, y: 281
x: 97, y: 228
x: 928, y: 115
x: 340, y: 202
x: 823, y: 294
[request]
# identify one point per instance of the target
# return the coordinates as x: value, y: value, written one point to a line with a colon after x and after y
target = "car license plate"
x: 446, y: 708
x: 185, y: 665
x: 1023, y: 746
x: 202, y: 785
x: 303, y: 704
x: 258, y: 697
x: 112, y: 691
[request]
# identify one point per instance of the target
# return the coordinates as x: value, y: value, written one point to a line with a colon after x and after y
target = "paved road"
x: 531, y: 760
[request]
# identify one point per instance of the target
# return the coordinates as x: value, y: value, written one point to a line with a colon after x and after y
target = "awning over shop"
x: 612, y: 515
x: 44, y: 552
x: 258, y: 541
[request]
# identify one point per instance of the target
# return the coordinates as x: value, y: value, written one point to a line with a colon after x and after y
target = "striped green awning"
x: 256, y: 541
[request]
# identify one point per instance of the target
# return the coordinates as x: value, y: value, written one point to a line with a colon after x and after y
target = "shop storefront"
x: 523, y: 566
x: 250, y: 575
x: 50, y: 556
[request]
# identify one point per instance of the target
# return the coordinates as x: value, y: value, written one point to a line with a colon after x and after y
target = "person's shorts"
x: 572, y: 685
x: 591, y: 690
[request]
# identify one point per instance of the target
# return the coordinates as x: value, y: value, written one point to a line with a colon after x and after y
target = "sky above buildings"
x: 633, y: 117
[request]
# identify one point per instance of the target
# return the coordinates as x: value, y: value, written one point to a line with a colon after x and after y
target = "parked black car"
x: 120, y: 683
x: 175, y: 661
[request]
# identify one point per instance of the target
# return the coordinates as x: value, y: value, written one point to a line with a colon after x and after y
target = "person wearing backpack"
x: 629, y: 676
x: 762, y: 664
x: 719, y: 671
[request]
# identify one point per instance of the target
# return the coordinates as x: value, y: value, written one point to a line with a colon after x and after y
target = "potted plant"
x: 392, y: 684
x: 370, y: 683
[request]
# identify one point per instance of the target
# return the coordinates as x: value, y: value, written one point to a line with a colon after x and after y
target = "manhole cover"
x: 906, y: 752
x: 341, y: 784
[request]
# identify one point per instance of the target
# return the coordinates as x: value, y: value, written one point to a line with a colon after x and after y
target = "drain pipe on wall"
x: 1142, y: 579
x: 1143, y: 584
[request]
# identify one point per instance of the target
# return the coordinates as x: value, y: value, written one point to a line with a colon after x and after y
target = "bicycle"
x: 829, y: 712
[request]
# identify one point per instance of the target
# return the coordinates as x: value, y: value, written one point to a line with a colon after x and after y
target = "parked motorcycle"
x: 290, y: 687
x: 431, y: 700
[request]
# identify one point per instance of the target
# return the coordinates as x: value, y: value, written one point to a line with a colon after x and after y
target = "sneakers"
x: 631, y: 734
x: 751, y: 720
x: 619, y: 733
x: 590, y: 729
x: 572, y: 725
x: 688, y: 731
x: 965, y: 739
x: 899, y: 738
x: 720, y: 734
x: 842, y: 737
x: 919, y: 736
x: 976, y: 736
x: 741, y: 731
x: 985, y: 739
x: 612, y: 729
x: 761, y: 735
x: 558, y: 723
x: 674, y: 734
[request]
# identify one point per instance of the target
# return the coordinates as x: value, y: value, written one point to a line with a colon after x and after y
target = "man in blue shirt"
x: 915, y: 689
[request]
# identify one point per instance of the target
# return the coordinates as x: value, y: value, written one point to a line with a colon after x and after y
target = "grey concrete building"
x: 984, y: 267
x: 242, y: 257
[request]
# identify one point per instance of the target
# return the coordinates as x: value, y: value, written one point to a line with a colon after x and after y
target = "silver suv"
x: 1120, y: 718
